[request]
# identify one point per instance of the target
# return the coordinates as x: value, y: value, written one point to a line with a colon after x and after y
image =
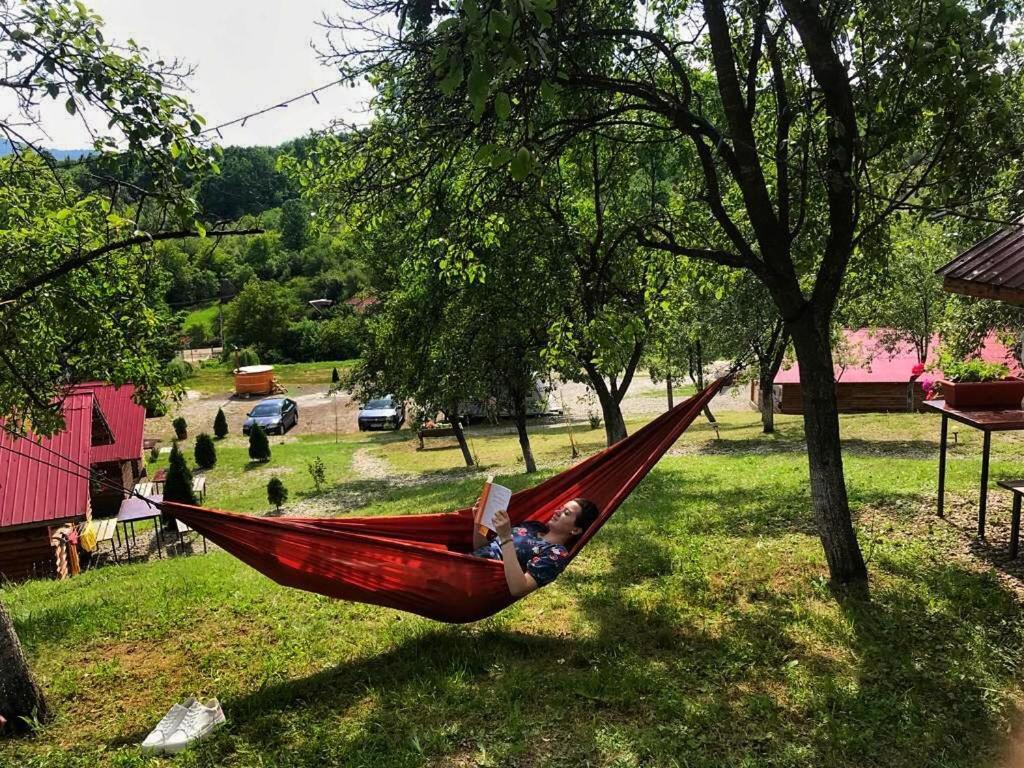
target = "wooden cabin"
x: 44, y: 486
x: 871, y: 378
x: 120, y: 462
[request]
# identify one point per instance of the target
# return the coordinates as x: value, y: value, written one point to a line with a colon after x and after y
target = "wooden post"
x: 942, y: 463
x: 1015, y: 526
x: 986, y: 449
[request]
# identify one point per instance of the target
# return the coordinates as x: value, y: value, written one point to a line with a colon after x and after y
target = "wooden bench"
x: 432, y: 432
x: 146, y: 489
x: 105, y: 529
x: 182, y: 529
x: 199, y: 487
x: 1016, y: 487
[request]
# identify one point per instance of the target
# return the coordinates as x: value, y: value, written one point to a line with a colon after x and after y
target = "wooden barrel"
x: 254, y: 380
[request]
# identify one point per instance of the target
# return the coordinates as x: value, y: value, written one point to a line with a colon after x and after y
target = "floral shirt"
x: 541, y: 559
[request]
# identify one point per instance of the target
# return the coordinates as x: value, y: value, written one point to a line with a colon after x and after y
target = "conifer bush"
x: 259, y: 445
x: 220, y: 424
x: 277, y: 494
x: 205, y: 452
x: 178, y: 485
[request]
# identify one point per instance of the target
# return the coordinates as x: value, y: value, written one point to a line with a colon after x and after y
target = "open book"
x: 494, y: 498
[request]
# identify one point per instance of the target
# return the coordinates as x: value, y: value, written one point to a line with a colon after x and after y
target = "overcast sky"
x: 248, y: 54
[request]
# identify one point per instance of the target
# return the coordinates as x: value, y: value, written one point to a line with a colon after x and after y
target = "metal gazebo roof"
x: 992, y: 268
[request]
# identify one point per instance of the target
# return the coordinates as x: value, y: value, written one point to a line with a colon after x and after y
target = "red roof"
x: 39, y: 480
x: 868, y: 361
x: 125, y: 417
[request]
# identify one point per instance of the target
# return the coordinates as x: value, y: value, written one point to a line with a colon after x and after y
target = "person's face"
x: 563, y: 520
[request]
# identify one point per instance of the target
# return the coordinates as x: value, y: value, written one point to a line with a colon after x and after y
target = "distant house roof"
x: 360, y: 304
x: 992, y: 268
x: 43, y: 480
x: 870, y: 362
x: 126, y: 418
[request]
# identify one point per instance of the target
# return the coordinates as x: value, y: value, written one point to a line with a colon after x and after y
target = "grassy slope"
x: 205, y: 316
x: 695, y: 630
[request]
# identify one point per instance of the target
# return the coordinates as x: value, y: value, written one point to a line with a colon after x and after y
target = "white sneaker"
x: 154, y: 742
x: 199, y: 723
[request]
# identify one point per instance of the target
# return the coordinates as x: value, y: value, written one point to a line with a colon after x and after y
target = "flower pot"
x: 1005, y: 393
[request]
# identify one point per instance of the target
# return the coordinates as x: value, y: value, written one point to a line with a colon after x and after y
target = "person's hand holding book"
x: 502, y: 526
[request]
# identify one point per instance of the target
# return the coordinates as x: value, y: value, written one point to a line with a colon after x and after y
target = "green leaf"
x: 502, y: 105
x: 454, y: 77
x: 485, y: 153
x: 478, y: 86
x: 70, y: 106
x: 521, y: 164
x: 501, y: 23
x: 501, y: 156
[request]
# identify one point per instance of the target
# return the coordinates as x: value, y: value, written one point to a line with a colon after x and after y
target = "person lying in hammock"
x: 534, y: 553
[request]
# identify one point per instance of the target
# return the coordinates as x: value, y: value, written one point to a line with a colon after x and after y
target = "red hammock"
x: 421, y: 563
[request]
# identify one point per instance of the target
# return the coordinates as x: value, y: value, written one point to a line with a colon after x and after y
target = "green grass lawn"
x: 696, y: 629
x: 238, y: 484
x: 215, y: 377
x: 205, y: 316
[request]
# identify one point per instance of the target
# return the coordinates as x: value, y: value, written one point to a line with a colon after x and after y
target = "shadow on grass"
x: 908, y: 684
x: 918, y: 683
x: 767, y: 444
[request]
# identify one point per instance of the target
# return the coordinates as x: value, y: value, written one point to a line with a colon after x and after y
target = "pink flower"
x: 917, y: 370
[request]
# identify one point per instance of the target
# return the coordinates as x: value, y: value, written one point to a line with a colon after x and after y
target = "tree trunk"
x: 20, y: 696
x: 456, y: 423
x: 668, y: 388
x: 769, y: 365
x: 767, y: 387
x: 524, y: 437
x: 824, y: 454
x: 697, y: 374
x: 614, y: 424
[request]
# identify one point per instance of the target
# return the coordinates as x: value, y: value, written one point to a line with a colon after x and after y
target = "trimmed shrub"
x: 180, y: 428
x: 178, y: 486
x: 247, y: 356
x: 277, y: 494
x: 220, y: 425
x: 335, y: 378
x: 205, y: 452
x: 259, y: 445
x: 177, y: 370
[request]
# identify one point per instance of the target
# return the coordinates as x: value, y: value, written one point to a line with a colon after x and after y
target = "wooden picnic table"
x: 987, y: 421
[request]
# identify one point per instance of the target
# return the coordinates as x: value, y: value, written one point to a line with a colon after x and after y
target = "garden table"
x: 133, y: 508
x: 988, y: 421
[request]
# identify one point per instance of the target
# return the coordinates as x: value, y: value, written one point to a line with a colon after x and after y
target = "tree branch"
x: 97, y: 253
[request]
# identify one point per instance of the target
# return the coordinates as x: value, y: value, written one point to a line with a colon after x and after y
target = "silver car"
x: 381, y: 413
